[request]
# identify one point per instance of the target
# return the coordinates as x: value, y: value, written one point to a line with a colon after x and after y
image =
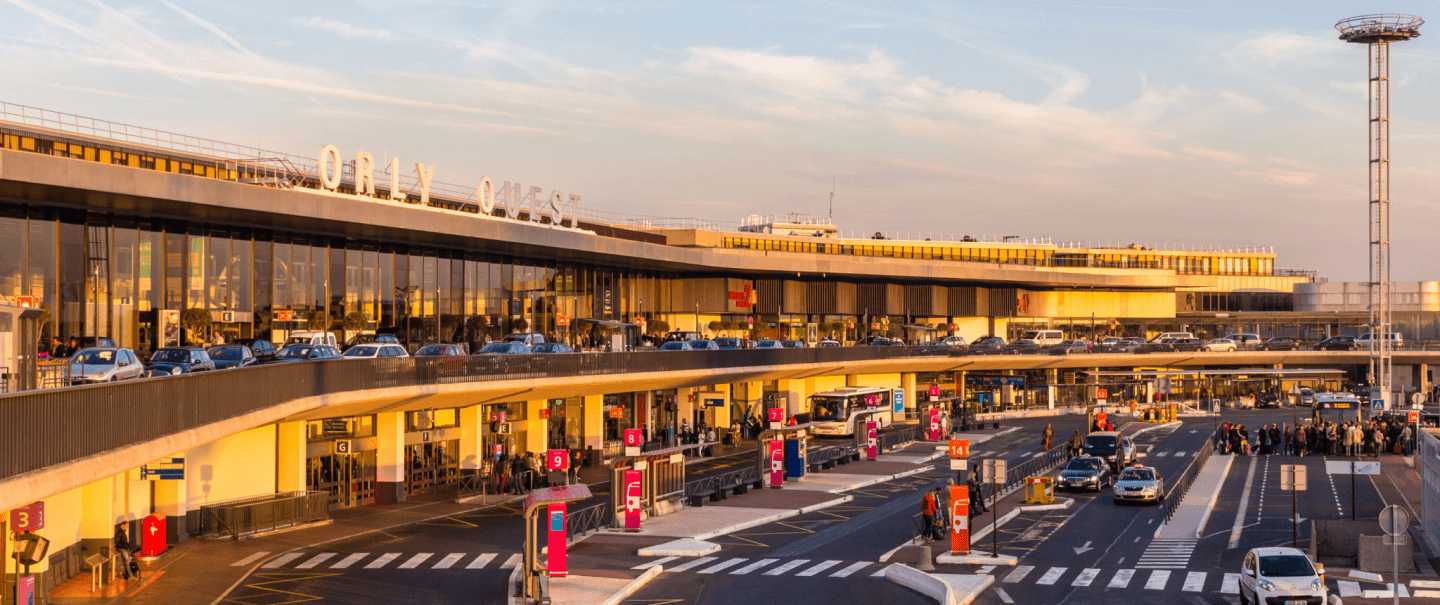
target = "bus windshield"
x: 831, y: 409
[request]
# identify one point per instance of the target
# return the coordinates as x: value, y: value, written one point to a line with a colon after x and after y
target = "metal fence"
x: 1429, y: 463
x: 253, y: 515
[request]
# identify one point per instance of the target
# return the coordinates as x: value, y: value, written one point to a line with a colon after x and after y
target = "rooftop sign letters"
x: 512, y: 198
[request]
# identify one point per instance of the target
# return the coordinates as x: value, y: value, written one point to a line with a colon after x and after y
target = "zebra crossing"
x: 1119, y: 579
x: 1167, y: 554
x: 373, y: 561
x: 744, y: 566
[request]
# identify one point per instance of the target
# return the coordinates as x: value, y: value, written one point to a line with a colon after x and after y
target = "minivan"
x: 1044, y: 338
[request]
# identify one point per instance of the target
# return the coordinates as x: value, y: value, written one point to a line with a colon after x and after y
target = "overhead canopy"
x: 1278, y: 373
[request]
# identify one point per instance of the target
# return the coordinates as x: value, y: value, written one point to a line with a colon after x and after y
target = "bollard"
x: 927, y: 559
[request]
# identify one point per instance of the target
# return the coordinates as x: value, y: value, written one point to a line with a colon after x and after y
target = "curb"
x: 1156, y: 427
x: 1210, y: 506
x: 633, y: 587
x: 985, y: 531
x: 1063, y: 504
x: 784, y: 514
x: 933, y: 586
x: 977, y: 559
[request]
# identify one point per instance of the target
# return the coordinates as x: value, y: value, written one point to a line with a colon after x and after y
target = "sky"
x: 1214, y: 124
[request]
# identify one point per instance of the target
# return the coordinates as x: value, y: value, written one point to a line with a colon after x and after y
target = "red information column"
x: 872, y: 443
x: 633, y: 500
x: 152, y: 536
x: 959, y: 520
x: 555, y: 530
x: 934, y: 424
x: 777, y: 463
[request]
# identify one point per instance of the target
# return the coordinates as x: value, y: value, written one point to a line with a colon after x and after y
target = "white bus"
x: 833, y: 413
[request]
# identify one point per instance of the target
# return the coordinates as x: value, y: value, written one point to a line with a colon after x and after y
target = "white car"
x: 373, y: 351
x: 1281, y: 575
x: 1220, y: 345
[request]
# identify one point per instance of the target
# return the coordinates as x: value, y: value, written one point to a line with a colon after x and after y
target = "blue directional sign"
x: 170, y: 470
x: 899, y: 400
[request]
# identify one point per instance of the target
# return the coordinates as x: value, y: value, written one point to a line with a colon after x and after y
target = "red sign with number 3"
x: 30, y: 517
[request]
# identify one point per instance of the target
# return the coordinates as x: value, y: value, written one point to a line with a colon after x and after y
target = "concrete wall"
x: 238, y: 466
x: 1101, y: 304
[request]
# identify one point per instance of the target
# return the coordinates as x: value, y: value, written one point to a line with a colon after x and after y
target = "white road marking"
x: 448, y: 561
x: 660, y: 561
x: 1161, y: 454
x: 1018, y: 574
x: 1348, y: 588
x: 1157, y: 580
x: 415, y: 560
x: 1231, y: 584
x: 1051, y: 576
x: 692, y: 564
x: 1194, y: 582
x: 723, y: 565
x: 817, y: 568
x: 752, y: 567
x: 1121, y: 579
x: 316, y: 560
x: 850, y: 569
x: 984, y: 570
x: 481, y: 561
x: 787, y: 567
x: 282, y: 560
x: 511, y: 562
x: 1424, y: 584
x: 382, y: 560
x: 349, y: 560
x: 1239, y: 526
x: 250, y: 559
x: 1004, y: 596
x: 1086, y: 577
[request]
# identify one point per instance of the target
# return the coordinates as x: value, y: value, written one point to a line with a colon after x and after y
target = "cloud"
x: 344, y: 30
x: 1274, y: 48
x: 1280, y: 176
x: 1210, y: 153
x: 1241, y: 102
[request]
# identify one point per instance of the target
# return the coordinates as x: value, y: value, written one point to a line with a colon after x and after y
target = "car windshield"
x: 1104, y: 444
x: 827, y: 408
x: 1083, y: 464
x: 1286, y: 566
x: 171, y: 356
x: 496, y: 347
x: 95, y: 357
x: 1137, y: 474
x: 294, y: 352
x: 227, y: 353
x: 361, y: 351
x: 434, y: 350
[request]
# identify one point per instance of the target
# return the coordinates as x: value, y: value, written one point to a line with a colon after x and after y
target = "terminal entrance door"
x: 348, y: 478
x: 431, y: 464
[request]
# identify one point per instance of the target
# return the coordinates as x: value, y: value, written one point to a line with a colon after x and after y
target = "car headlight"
x: 174, y: 371
x: 1267, y: 585
x: 1316, y: 584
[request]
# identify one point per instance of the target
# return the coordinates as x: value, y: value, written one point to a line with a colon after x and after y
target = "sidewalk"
x: 1194, y: 509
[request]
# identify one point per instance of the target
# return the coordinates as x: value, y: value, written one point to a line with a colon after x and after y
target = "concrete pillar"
x: 852, y: 380
x: 537, y: 427
x: 98, y: 514
x: 720, y: 417
x: 472, y: 438
x: 290, y: 454
x: 795, y: 395
x: 907, y: 385
x: 389, y: 457
x: 592, y: 408
x: 685, y: 402
x: 1052, y: 379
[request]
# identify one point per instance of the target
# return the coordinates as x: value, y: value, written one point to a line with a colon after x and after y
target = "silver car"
x: 104, y: 364
x: 1139, y: 484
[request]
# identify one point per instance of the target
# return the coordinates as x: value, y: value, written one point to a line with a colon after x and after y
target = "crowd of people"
x: 1317, y: 435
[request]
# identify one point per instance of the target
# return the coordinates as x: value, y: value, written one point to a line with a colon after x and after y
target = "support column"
x: 1052, y: 379
x: 389, y: 457
x: 852, y: 380
x: 472, y: 438
x: 537, y: 427
x: 170, y: 499
x: 592, y: 432
x: 98, y: 514
x: 795, y: 395
x: 685, y: 407
x: 719, y: 418
x: 290, y: 454
x: 907, y: 385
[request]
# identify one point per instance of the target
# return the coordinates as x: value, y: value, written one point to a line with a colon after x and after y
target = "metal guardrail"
x: 589, y: 520
x: 1015, y: 475
x: 1177, y: 490
x: 253, y: 515
x: 831, y: 454
x: 892, y: 438
x: 746, y: 475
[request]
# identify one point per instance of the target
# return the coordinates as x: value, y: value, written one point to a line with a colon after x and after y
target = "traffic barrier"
x: 1039, y: 490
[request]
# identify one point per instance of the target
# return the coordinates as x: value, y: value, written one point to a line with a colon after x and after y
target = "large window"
x: 12, y: 256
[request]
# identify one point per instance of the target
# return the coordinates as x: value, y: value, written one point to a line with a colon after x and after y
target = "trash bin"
x: 794, y: 458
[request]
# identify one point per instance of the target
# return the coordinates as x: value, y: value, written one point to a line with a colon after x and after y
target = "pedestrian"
x: 977, y: 499
x: 1048, y: 436
x: 928, y: 506
x: 1406, y: 437
x: 1075, y: 443
x: 125, y: 551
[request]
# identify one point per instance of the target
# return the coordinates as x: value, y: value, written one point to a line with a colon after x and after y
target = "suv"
x: 1115, y: 449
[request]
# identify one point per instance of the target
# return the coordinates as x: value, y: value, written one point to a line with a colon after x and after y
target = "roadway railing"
x: 1177, y: 490
x: 1015, y: 475
x: 254, y: 515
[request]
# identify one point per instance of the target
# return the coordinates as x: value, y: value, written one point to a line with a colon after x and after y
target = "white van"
x: 1363, y: 341
x: 1164, y: 335
x: 1044, y: 338
x: 311, y: 337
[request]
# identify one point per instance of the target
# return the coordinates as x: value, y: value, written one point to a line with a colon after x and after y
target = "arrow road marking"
x: 1080, y: 550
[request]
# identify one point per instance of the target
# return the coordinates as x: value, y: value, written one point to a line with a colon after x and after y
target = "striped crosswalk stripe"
x: 660, y: 561
x: 1231, y: 584
x: 416, y: 559
x: 984, y: 570
x: 1121, y: 578
x: 481, y: 561
x: 250, y: 559
x: 511, y: 562
x: 817, y: 568
x: 382, y: 560
x: 1018, y: 574
x: 1349, y: 588
x: 1086, y: 577
x: 448, y: 561
x: 1157, y: 580
x: 850, y: 569
x: 753, y: 567
x: 1194, y: 582
x: 692, y: 564
x: 282, y: 560
x: 1051, y: 576
x: 316, y: 560
x: 723, y: 565
x: 787, y: 567
x: 349, y: 560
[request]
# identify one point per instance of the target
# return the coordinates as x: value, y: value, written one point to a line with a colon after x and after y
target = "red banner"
x: 555, y: 532
x: 634, y: 500
x: 777, y: 463
x: 959, y: 520
x: 872, y: 444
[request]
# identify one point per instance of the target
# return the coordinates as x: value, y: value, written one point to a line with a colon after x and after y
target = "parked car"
x: 263, y: 350
x: 1281, y: 575
x: 1119, y: 344
x: 1246, y: 341
x: 441, y: 349
x: 1337, y: 401
x: 1363, y: 341
x: 1084, y: 472
x: 682, y: 335
x: 1070, y: 347
x: 988, y: 345
x: 170, y: 361
x: 1043, y: 338
x: 385, y: 338
x: 795, y: 344
x: 231, y: 356
x: 1268, y: 399
x: 1022, y: 347
x: 1139, y: 484
x: 1172, y: 335
x: 769, y: 343
x: 1337, y: 343
x: 705, y: 345
x: 374, y: 351
x: 1110, y: 446
x: 529, y: 338
x: 1305, y: 397
x: 505, y: 347
x: 311, y: 337
x: 676, y: 345
x: 728, y: 343
x: 1159, y: 345
x: 552, y: 347
x: 95, y: 342
x: 1221, y: 345
x: 1187, y: 344
x: 306, y: 352
x: 827, y: 343
x: 1282, y: 343
x: 877, y: 341
x: 954, y: 343
x: 104, y: 364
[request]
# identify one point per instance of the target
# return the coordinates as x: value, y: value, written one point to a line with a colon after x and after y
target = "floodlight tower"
x: 1377, y: 32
